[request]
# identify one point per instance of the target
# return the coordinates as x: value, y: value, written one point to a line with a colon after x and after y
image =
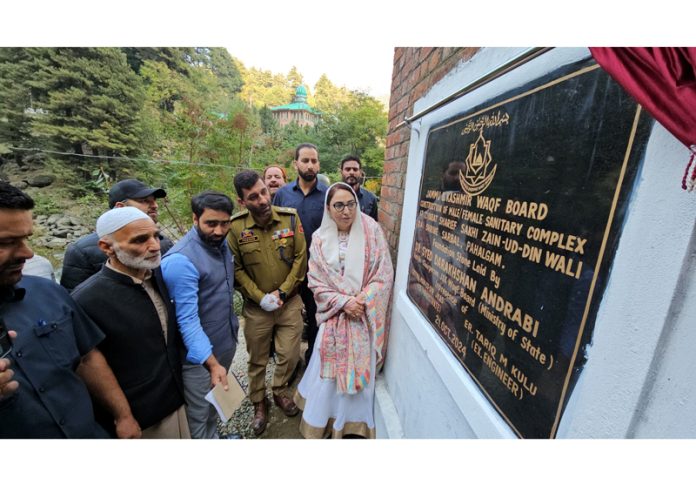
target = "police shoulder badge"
x: 247, y: 236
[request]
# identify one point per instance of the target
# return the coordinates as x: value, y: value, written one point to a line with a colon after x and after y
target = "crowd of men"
x: 141, y: 328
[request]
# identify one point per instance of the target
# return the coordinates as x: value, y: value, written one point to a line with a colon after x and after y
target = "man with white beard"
x: 129, y: 302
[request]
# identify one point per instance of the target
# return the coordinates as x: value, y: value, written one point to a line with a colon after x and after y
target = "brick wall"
x: 416, y: 70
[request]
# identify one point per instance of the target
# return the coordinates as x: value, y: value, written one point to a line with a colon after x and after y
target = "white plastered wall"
x: 636, y: 380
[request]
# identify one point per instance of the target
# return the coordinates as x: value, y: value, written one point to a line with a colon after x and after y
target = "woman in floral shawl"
x: 351, y: 276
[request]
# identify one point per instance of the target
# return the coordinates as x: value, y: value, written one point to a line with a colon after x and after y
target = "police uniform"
x: 266, y: 259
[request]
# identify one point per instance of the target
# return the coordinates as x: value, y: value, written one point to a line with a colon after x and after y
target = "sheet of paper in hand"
x: 226, y: 402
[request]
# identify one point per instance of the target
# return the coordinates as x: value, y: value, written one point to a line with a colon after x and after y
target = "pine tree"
x: 328, y: 97
x: 294, y: 78
x: 225, y: 69
x: 88, y: 100
x: 269, y: 125
x: 177, y: 59
x: 16, y: 105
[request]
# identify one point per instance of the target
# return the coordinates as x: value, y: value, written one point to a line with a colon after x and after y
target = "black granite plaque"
x: 521, y: 205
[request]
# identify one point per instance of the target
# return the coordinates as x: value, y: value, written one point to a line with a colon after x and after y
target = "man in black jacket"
x: 353, y: 175
x: 128, y: 301
x: 83, y: 258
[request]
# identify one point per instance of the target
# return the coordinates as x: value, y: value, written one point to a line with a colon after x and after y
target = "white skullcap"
x: 114, y: 219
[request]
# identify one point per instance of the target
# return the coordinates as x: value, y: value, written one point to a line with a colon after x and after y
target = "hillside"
x: 59, y: 218
x: 75, y: 120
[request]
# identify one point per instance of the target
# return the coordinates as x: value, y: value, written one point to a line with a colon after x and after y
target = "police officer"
x: 270, y: 261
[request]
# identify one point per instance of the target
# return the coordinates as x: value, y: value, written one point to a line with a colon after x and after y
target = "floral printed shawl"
x: 346, y: 344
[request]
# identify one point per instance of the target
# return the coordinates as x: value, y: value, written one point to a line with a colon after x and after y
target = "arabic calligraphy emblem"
x: 479, y: 167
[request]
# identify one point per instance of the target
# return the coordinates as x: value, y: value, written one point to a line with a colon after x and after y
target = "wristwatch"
x: 283, y: 296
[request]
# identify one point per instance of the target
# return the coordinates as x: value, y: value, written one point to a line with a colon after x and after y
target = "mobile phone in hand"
x: 5, y: 342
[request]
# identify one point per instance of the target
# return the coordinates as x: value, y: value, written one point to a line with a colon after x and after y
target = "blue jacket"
x: 53, y: 333
x: 200, y: 279
x: 368, y: 202
x: 310, y: 207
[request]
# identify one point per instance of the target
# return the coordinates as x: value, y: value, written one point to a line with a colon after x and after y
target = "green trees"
x: 356, y: 126
x: 87, y: 100
x: 329, y: 97
x: 192, y: 116
x: 351, y: 122
x: 225, y: 69
x: 15, y: 98
x: 79, y: 100
x: 264, y: 88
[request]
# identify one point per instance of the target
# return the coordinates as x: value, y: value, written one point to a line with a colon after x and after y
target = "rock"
x: 42, y: 180
x: 21, y: 185
x: 62, y: 233
x: 34, y: 157
x: 41, y: 219
x: 56, y: 243
x: 52, y: 219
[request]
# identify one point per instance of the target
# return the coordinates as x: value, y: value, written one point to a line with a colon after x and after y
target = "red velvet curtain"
x: 661, y: 79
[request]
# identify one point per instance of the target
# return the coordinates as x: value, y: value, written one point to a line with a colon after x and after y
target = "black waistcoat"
x: 147, y: 369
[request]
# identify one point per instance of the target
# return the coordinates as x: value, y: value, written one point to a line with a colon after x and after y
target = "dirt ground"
x: 279, y: 426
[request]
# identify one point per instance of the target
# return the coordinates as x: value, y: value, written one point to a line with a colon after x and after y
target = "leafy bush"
x: 238, y: 303
x: 44, y: 203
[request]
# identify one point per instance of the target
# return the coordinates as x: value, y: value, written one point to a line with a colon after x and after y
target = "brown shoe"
x: 258, y: 424
x: 286, y: 404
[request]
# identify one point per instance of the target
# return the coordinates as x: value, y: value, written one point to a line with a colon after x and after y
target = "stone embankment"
x: 56, y: 231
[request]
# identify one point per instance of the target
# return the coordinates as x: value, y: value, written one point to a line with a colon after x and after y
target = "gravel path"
x: 279, y: 425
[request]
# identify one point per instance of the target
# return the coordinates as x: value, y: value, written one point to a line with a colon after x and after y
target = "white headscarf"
x: 355, y: 254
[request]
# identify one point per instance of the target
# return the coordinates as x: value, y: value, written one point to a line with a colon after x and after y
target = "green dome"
x: 300, y: 95
x: 299, y: 103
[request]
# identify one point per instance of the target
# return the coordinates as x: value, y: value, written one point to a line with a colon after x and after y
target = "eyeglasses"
x: 214, y: 224
x: 339, y: 206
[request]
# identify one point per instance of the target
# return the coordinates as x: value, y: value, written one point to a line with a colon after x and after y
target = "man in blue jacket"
x: 54, y: 365
x: 199, y: 274
x: 306, y: 194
